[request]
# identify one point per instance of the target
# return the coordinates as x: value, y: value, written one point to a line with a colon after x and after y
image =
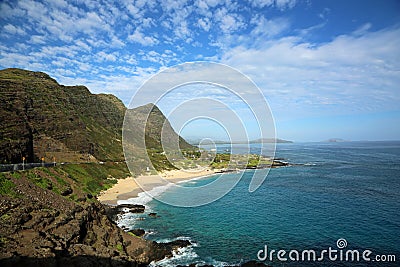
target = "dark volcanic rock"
x: 166, y: 248
x: 137, y: 209
x: 49, y: 238
x: 133, y: 208
x: 42, y: 228
x: 67, y: 191
x: 279, y: 163
x: 153, y: 214
x: 178, y: 244
x: 113, y: 211
x: 137, y: 232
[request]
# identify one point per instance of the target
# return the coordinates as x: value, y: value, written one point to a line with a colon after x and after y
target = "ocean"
x: 337, y: 197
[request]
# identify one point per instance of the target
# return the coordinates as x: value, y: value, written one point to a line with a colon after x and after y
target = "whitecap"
x: 181, y: 256
x: 145, y: 197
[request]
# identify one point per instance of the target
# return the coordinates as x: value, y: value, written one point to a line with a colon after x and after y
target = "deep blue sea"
x: 348, y: 190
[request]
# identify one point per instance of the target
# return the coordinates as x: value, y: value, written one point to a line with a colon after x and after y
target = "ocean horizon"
x: 332, y: 194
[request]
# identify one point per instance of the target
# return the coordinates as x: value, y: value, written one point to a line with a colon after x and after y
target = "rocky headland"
x: 39, y: 227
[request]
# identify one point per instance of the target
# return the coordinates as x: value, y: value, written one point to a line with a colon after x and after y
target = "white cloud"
x: 261, y: 3
x: 134, y: 11
x: 36, y: 11
x: 102, y: 56
x: 13, y: 30
x: 363, y: 29
x: 140, y: 38
x: 182, y: 30
x: 279, y: 4
x: 38, y: 39
x: 350, y: 74
x: 177, y: 17
x: 202, y: 5
x: 116, y: 42
x: 8, y: 11
x: 58, y: 3
x: 63, y: 21
x: 204, y: 23
x: 268, y: 27
x: 214, y: 3
x: 228, y: 22
x: 130, y: 59
x: 285, y: 4
x: 83, y: 45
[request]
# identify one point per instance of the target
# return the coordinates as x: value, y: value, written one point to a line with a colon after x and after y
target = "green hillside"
x: 41, y: 118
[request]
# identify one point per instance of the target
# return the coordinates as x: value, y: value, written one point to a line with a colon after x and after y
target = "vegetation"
x: 7, y: 187
x: 73, y: 181
x: 245, y: 161
x: 43, y: 119
x: 3, y: 241
x: 93, y: 177
x: 120, y: 247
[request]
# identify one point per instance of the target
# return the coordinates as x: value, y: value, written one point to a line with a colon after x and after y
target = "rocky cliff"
x: 48, y: 218
x: 40, y: 118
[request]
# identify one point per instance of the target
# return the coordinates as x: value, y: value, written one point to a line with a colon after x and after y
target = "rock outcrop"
x: 39, y: 227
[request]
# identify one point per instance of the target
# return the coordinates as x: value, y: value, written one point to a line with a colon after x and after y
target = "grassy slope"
x: 86, y: 179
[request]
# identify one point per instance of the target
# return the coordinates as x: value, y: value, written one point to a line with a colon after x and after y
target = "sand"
x: 129, y: 187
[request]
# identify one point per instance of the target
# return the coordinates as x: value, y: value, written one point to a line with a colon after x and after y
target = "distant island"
x: 335, y: 140
x: 269, y: 140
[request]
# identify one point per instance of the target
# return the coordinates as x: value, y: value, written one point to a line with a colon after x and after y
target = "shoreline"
x: 128, y: 188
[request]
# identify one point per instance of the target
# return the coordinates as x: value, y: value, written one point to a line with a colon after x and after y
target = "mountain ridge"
x: 43, y: 119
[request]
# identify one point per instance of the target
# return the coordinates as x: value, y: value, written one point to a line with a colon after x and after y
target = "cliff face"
x: 41, y: 118
x: 154, y: 123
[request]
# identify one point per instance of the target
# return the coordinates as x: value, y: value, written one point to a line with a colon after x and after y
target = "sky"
x: 327, y: 69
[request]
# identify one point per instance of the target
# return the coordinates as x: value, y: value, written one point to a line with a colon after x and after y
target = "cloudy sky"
x: 326, y: 68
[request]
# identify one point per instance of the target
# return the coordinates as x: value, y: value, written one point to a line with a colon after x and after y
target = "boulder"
x: 67, y: 191
x: 133, y: 208
x: 137, y: 232
x: 113, y: 211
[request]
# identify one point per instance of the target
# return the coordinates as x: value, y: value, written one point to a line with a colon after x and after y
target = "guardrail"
x: 24, y: 166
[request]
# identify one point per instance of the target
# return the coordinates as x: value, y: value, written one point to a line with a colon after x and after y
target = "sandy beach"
x: 129, y: 187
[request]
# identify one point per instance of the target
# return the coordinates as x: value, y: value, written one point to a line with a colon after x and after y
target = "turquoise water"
x: 338, y: 190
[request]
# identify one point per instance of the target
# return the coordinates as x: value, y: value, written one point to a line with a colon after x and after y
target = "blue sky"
x: 327, y: 68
